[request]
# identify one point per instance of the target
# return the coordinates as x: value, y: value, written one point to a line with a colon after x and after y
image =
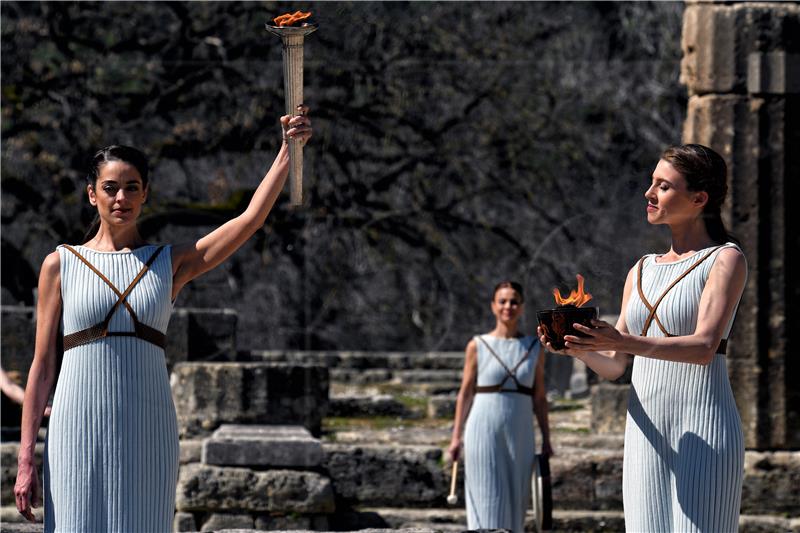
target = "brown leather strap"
x: 99, y: 274
x: 98, y: 331
x: 644, y: 299
x: 522, y: 389
x: 654, y: 307
x: 123, y: 297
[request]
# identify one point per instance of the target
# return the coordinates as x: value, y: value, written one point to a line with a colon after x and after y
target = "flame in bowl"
x: 576, y: 298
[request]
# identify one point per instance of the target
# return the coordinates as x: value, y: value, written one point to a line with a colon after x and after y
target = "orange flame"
x: 576, y: 298
x: 289, y: 19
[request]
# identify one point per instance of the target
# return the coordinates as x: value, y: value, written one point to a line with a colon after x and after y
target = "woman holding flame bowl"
x: 684, y: 447
x: 502, y: 386
x: 111, y: 455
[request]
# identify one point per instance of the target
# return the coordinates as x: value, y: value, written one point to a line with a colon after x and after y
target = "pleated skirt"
x: 684, y: 449
x: 111, y: 454
x: 499, y: 450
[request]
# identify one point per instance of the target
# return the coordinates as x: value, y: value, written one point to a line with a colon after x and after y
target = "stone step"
x: 416, y: 520
x: 447, y: 379
x: 360, y: 360
x: 417, y: 476
x: 572, y: 521
x: 262, y: 446
x: 358, y: 406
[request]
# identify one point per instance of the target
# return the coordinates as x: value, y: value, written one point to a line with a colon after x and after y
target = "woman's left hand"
x: 297, y: 127
x: 602, y: 336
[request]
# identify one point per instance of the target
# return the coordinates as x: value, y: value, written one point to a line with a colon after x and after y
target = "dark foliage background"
x: 456, y: 145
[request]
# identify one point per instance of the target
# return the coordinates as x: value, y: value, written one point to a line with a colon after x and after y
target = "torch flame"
x: 576, y: 298
x: 289, y: 19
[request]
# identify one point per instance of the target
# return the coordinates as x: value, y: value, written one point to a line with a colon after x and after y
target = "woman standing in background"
x: 502, y: 387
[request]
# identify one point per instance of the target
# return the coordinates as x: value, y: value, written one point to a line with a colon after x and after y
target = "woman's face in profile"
x: 669, y: 200
x: 507, y: 305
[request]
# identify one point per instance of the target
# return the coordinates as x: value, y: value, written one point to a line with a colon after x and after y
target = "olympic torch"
x: 292, y: 29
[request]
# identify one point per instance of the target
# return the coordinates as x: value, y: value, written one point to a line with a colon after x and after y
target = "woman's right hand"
x: 455, y: 449
x: 549, y: 347
x: 27, y: 490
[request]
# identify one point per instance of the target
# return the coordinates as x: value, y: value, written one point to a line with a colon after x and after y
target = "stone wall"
x: 741, y: 66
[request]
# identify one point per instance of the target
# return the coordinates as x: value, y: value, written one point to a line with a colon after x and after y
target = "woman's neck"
x: 505, y: 331
x: 109, y: 239
x: 689, y: 237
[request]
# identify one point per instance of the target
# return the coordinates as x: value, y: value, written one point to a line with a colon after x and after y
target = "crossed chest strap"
x: 99, y: 331
x: 510, y: 373
x: 652, y: 316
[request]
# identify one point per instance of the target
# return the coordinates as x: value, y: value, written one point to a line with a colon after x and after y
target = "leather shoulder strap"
x: 123, y: 297
x: 642, y: 297
x: 671, y: 285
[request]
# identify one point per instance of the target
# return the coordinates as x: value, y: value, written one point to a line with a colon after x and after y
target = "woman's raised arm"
x: 193, y: 259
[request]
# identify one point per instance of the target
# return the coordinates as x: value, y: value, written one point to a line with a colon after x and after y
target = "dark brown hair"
x: 704, y: 170
x: 115, y: 152
x: 509, y: 285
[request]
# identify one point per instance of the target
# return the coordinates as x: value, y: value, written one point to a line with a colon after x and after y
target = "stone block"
x: 764, y: 524
x: 442, y: 406
x: 201, y: 334
x: 292, y: 522
x: 11, y: 524
x: 773, y: 73
x: 770, y: 483
x: 220, y: 521
x: 585, y: 479
x: 228, y: 489
x: 208, y: 395
x: 360, y: 377
x: 362, y: 360
x: 427, y: 376
x: 183, y: 522
x: 404, y: 476
x: 190, y: 451
x: 263, y: 446
x: 717, y: 41
x: 366, y: 406
x: 609, y: 408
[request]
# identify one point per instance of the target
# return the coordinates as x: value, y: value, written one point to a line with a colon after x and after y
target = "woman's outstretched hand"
x: 602, y: 336
x: 297, y: 127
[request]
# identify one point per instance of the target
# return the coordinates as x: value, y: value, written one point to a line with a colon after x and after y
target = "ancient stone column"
x: 741, y: 66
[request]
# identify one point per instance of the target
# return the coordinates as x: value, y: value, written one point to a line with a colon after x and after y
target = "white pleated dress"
x: 684, y: 447
x: 111, y: 454
x: 499, y: 442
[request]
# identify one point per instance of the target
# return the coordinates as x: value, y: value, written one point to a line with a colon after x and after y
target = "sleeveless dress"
x: 111, y: 453
x: 684, y: 447
x: 499, y: 442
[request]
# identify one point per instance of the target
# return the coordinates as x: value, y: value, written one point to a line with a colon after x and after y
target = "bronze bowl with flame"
x: 556, y: 323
